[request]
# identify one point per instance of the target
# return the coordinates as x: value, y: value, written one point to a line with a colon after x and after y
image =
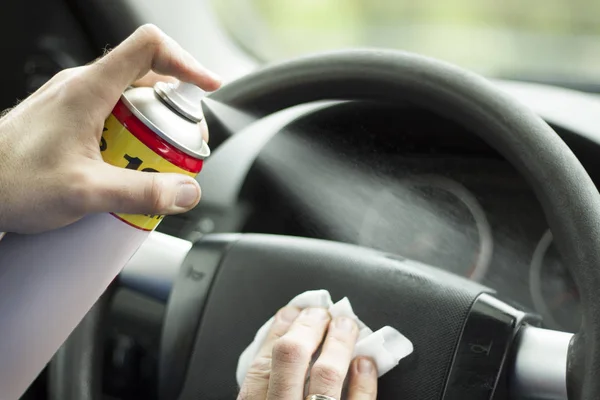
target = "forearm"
x: 57, y: 193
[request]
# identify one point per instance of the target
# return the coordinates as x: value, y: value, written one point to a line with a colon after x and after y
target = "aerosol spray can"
x: 49, y: 281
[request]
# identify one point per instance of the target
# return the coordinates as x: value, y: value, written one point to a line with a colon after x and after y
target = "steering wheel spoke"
x: 154, y: 267
x: 539, y: 367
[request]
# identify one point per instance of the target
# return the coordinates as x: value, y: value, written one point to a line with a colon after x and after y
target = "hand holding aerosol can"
x: 155, y: 130
x: 105, y: 183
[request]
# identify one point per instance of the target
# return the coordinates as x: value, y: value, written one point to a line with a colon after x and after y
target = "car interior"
x: 437, y: 164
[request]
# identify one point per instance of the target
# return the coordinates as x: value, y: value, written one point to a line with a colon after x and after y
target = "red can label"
x: 128, y: 143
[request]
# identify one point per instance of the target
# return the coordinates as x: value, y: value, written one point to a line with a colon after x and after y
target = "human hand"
x: 51, y: 170
x: 280, y: 368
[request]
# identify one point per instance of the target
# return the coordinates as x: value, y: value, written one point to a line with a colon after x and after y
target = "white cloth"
x: 386, y: 346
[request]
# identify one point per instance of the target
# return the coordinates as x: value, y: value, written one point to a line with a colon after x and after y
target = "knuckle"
x: 62, y: 75
x: 278, y: 329
x: 154, y: 193
x: 66, y: 74
x: 72, y: 77
x: 249, y: 391
x: 68, y: 86
x: 244, y: 394
x: 150, y: 34
x: 282, y: 390
x: 308, y: 324
x: 328, y: 374
x: 290, y: 351
x: 79, y: 195
x: 343, y: 340
x: 152, y: 41
x: 367, y: 389
x: 260, y: 369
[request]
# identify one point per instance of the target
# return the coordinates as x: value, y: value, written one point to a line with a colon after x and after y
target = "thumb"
x: 136, y: 192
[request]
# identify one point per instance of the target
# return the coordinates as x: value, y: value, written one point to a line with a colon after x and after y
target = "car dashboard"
x: 401, y: 180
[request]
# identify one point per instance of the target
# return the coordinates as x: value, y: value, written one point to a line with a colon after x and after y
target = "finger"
x: 151, y: 78
x: 283, y: 321
x: 256, y: 383
x: 204, y: 130
x: 114, y: 189
x: 148, y: 48
x: 329, y: 371
x: 363, y: 380
x: 293, y: 352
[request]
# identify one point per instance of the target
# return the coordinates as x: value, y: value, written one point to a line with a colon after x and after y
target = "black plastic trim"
x: 483, y: 349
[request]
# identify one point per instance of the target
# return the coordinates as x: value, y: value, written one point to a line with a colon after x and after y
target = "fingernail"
x: 211, y: 74
x: 365, y: 366
x: 317, y: 313
x: 345, y: 324
x: 187, y: 195
x: 289, y: 314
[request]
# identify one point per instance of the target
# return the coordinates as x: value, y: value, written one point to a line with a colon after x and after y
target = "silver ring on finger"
x: 319, y: 397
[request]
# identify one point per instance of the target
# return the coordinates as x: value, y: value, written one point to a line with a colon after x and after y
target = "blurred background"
x: 535, y: 40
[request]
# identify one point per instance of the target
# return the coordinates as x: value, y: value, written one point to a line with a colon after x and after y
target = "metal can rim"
x: 204, y: 151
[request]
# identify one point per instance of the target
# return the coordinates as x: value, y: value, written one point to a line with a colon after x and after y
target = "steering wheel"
x: 467, y: 343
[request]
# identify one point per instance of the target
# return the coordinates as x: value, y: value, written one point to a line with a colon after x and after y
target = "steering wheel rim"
x: 567, y: 194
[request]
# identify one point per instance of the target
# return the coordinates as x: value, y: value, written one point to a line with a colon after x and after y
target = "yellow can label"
x: 121, y: 148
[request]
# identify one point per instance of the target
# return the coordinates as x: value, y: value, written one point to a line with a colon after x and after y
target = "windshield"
x: 543, y: 40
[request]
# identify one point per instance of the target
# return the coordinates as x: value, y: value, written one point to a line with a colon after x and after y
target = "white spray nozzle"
x: 184, y: 97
